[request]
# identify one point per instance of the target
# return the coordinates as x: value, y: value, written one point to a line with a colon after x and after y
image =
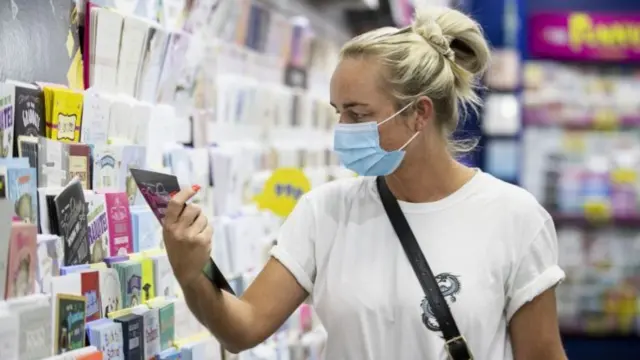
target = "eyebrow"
x: 350, y: 104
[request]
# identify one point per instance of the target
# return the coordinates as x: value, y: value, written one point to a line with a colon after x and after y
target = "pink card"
x: 21, y: 274
x: 119, y: 220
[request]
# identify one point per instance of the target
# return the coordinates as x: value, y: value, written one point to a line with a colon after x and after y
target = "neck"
x: 427, y: 180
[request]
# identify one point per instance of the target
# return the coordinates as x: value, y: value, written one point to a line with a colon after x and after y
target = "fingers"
x: 206, y: 234
x: 204, y: 237
x: 198, y: 226
x: 188, y: 217
x: 177, y: 203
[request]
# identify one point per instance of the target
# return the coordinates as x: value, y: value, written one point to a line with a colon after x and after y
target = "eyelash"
x: 353, y: 115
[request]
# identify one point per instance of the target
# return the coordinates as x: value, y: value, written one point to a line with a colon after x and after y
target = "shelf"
x: 580, y: 335
x: 534, y: 117
x: 579, y: 220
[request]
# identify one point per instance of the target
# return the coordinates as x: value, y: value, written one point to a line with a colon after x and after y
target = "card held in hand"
x: 157, y: 189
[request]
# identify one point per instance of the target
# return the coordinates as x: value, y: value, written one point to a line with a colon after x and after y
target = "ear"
x: 424, y: 113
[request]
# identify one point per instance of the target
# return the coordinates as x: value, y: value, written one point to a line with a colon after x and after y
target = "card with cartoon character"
x: 110, y: 291
x: 133, y: 157
x: 22, y: 190
x: 21, y: 275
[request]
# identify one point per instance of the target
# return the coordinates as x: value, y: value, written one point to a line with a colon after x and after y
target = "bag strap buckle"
x: 457, y: 349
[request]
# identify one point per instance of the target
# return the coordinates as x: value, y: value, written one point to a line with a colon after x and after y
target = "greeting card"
x: 35, y: 330
x: 133, y: 157
x: 22, y: 190
x: 133, y: 335
x: 71, y: 211
x: 110, y: 291
x: 50, y: 254
x: 70, y: 321
x: 29, y: 112
x: 6, y: 120
x: 130, y: 273
x: 156, y: 189
x: 21, y: 275
x: 119, y: 224
x: 6, y: 214
x: 91, y: 291
x: 106, y: 164
x: 98, y: 227
x: 110, y: 340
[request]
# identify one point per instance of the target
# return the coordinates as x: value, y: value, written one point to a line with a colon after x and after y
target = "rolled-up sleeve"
x: 295, y: 247
x: 536, y: 270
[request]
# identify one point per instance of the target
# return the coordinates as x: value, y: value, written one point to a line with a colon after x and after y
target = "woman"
x: 491, y: 246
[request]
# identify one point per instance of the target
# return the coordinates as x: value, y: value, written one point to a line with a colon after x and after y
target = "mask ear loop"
x: 393, y: 116
x: 396, y: 114
x: 409, y: 141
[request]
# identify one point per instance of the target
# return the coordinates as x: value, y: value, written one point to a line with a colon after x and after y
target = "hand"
x: 187, y: 237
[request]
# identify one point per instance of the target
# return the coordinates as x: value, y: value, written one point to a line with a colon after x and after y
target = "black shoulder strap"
x: 455, y: 343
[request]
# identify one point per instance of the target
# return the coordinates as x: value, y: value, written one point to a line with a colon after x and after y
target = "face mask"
x: 359, y: 150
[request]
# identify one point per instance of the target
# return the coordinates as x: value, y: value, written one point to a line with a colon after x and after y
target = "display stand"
x: 489, y: 13
x: 227, y: 95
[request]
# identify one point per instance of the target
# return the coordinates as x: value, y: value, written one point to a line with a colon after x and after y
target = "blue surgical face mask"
x: 359, y: 150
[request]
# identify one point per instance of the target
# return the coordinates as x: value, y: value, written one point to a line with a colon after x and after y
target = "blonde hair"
x: 440, y: 55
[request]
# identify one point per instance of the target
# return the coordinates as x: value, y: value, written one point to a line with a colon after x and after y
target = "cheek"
x: 393, y: 137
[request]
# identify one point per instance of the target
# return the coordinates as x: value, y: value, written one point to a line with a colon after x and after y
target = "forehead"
x: 356, y: 80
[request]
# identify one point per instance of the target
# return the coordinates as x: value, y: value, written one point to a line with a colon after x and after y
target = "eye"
x: 357, y: 116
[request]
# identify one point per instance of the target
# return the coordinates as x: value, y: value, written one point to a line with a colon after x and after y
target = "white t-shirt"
x: 491, y: 245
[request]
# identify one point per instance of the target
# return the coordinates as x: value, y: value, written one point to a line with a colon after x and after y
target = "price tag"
x: 282, y: 190
x: 624, y: 176
x: 606, y: 119
x: 597, y: 210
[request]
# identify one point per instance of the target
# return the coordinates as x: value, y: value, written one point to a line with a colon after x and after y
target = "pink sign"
x: 585, y: 36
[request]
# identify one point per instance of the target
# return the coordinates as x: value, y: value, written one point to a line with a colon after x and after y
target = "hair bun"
x: 449, y: 30
x: 427, y: 27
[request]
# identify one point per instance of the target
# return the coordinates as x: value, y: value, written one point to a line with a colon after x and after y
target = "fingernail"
x: 173, y: 193
x: 196, y: 188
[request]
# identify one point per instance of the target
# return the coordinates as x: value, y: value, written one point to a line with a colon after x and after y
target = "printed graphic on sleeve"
x: 450, y: 287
